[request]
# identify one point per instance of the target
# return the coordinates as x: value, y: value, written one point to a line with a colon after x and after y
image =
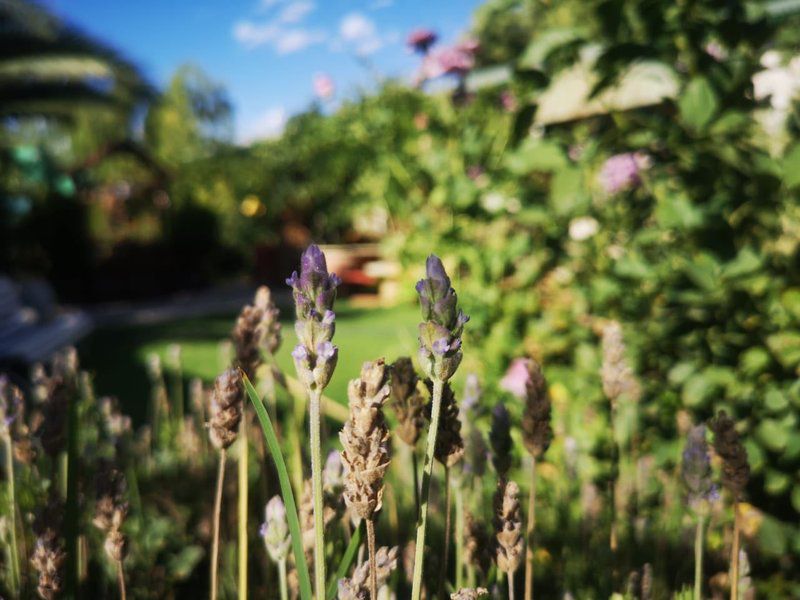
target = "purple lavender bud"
x: 440, y: 333
x: 696, y: 470
x: 314, y: 292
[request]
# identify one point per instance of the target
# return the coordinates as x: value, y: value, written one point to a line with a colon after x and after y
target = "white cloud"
x: 294, y: 12
x: 276, y: 32
x: 360, y: 32
x: 269, y: 124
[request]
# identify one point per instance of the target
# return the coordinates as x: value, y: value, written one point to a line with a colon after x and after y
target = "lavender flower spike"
x: 696, y: 471
x: 314, y: 291
x: 440, y: 333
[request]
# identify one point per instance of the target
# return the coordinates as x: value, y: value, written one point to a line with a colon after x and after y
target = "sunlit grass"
x: 117, y: 356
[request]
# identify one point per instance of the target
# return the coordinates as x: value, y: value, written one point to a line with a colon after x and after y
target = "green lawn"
x: 117, y: 357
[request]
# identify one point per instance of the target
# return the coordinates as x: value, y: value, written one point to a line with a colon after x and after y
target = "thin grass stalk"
x: 698, y: 558
x: 459, y: 537
x: 121, y: 580
x: 415, y: 471
x: 286, y: 490
x: 12, y: 509
x: 735, y: 552
x: 282, y: 580
x: 447, y: 528
x: 422, y: 520
x: 71, y: 508
x: 242, y: 521
x: 529, y: 533
x: 316, y: 488
x: 216, y: 519
x: 373, y: 569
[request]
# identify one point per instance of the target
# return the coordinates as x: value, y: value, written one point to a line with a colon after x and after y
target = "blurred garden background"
x: 573, y: 162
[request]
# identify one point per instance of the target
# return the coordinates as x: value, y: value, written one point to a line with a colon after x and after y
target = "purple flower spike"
x: 314, y: 292
x: 696, y: 471
x: 440, y: 333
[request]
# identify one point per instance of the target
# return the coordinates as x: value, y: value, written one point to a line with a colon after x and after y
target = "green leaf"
x: 775, y: 401
x: 698, y: 103
x: 772, y: 435
x: 347, y: 560
x: 791, y: 167
x: 785, y: 347
x: 286, y: 489
x: 537, y: 155
x: 182, y: 564
x: 676, y: 211
x: 790, y: 300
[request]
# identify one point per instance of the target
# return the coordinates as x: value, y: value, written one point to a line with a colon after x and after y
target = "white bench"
x: 32, y: 327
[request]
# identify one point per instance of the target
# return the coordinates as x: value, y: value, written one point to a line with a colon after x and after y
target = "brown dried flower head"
x: 49, y: 555
x: 735, y: 466
x: 365, y: 440
x: 357, y: 586
x: 617, y: 375
x: 449, y: 448
x: 56, y: 390
x: 508, y: 527
x: 13, y: 423
x: 469, y: 594
x: 477, y: 544
x: 537, y: 432
x: 407, y: 400
x: 225, y: 409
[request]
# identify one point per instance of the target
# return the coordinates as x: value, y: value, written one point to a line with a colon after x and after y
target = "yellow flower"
x: 251, y: 206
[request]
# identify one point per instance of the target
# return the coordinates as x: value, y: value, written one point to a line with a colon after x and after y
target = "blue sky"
x: 267, y: 52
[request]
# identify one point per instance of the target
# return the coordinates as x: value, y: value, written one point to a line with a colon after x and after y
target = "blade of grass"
x: 286, y: 489
x: 347, y: 560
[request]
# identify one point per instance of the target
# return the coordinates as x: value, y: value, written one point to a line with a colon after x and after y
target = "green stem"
x: 242, y: 521
x: 698, y: 559
x: 447, y: 528
x: 530, y: 531
x: 12, y: 516
x: 415, y: 470
x: 422, y: 519
x: 316, y: 485
x: 735, y: 552
x: 71, y: 526
x: 373, y: 569
x: 282, y: 579
x: 459, y: 537
x: 216, y: 518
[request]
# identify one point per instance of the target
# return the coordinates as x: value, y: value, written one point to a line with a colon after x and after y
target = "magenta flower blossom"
x: 516, y: 378
x: 508, y: 101
x: 421, y: 40
x: 455, y: 60
x: 623, y: 171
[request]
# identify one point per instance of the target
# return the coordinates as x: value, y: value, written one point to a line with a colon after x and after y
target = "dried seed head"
x: 647, y: 582
x: 365, y: 441
x: 696, y: 470
x: 469, y: 594
x: 357, y: 586
x: 275, y: 530
x: 508, y: 526
x: 48, y: 554
x: 536, y: 430
x: 13, y: 423
x: 407, y: 401
x: 116, y: 545
x: 500, y: 439
x: 314, y: 292
x: 256, y: 327
x: 117, y: 425
x: 735, y: 467
x: 225, y: 409
x: 449, y: 448
x: 619, y: 380
x: 443, y: 322
x: 57, y: 390
x: 111, y: 506
x: 477, y: 544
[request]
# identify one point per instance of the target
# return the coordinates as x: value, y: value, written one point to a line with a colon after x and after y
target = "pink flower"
x: 516, y: 378
x: 509, y: 101
x: 452, y: 60
x: 622, y: 171
x: 420, y: 40
x: 324, y: 88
